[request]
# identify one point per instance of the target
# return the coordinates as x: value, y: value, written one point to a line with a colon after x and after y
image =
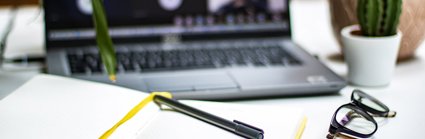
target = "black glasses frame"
x: 360, y: 109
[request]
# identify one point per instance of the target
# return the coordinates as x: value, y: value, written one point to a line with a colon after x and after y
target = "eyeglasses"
x: 356, y: 118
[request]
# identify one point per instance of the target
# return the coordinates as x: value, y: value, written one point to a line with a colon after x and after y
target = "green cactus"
x: 379, y: 17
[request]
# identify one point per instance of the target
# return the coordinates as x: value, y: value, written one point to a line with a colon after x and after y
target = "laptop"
x: 196, y: 49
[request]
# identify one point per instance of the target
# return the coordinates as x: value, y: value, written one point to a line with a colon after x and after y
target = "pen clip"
x: 250, y: 126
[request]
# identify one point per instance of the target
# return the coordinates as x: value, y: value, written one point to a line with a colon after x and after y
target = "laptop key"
x: 124, y: 61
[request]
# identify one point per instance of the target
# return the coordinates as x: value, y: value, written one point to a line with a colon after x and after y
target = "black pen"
x: 235, y: 126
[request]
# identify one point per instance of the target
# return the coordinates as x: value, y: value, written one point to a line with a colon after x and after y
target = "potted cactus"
x: 412, y: 23
x: 371, y: 48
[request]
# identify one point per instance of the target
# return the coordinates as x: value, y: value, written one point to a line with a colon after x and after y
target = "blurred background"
x: 29, y: 2
x: 18, y: 2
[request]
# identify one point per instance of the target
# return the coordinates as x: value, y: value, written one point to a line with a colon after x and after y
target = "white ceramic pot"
x: 371, y: 60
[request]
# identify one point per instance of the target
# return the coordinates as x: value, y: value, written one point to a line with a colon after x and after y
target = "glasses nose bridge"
x: 367, y: 111
x: 357, y: 105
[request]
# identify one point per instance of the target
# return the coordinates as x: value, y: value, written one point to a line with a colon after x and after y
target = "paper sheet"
x: 52, y: 107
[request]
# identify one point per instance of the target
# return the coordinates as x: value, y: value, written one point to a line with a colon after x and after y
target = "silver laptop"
x: 196, y: 49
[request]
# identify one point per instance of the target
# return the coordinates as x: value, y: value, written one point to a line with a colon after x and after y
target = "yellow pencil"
x: 301, y: 128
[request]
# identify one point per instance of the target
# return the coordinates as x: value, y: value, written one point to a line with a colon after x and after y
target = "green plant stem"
x: 103, y: 39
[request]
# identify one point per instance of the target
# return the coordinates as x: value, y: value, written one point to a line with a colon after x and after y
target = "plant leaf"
x: 103, y: 39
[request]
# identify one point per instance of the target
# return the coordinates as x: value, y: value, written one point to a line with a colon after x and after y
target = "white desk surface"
x: 312, y: 30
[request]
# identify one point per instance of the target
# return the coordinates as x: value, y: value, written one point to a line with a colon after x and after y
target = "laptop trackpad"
x: 180, y: 83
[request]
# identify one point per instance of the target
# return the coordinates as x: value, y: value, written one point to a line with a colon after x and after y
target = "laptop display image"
x: 196, y: 49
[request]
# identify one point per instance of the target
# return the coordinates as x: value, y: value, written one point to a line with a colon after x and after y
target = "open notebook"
x: 56, y: 107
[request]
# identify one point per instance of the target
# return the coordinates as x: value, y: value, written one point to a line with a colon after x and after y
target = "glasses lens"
x: 354, y: 121
x: 367, y: 100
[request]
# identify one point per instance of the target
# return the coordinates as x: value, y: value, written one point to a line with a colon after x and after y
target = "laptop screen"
x: 70, y: 20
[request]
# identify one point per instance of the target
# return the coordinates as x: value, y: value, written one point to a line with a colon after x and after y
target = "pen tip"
x: 113, y: 78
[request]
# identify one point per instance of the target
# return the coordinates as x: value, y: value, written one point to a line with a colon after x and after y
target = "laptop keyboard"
x: 155, y: 60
